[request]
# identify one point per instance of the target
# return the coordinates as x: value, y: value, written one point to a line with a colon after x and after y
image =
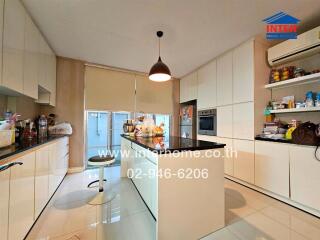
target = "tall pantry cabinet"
x: 233, y: 83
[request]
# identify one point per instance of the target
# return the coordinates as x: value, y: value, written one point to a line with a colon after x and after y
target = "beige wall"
x: 3, y: 104
x: 70, y: 105
x: 25, y: 106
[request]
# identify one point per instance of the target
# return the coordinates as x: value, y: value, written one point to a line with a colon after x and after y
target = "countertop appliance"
x: 188, y: 125
x: 207, y: 122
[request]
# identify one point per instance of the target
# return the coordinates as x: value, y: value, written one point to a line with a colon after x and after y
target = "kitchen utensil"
x: 128, y: 127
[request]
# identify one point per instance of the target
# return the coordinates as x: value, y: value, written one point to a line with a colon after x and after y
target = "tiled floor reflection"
x: 69, y: 217
x: 249, y: 214
x: 254, y: 216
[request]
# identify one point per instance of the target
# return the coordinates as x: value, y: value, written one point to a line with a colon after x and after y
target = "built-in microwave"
x: 207, y: 122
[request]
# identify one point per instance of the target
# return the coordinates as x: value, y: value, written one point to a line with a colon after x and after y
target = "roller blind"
x: 109, y: 90
x: 154, y: 97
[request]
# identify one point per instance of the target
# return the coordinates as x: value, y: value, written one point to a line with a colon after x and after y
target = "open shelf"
x: 295, y: 81
x: 295, y: 110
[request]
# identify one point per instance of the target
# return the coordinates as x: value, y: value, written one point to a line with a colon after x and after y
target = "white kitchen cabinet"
x: 243, y: 121
x: 53, y: 80
x: 244, y: 160
x: 62, y: 155
x: 21, y: 207
x: 189, y: 87
x: 208, y: 138
x: 272, y: 167
x: 31, y: 59
x: 4, y: 203
x: 228, y: 151
x: 145, y: 177
x: 41, y: 179
x: 224, y: 121
x: 43, y: 64
x: 58, y: 165
x: 224, y: 79
x: 126, y: 159
x: 13, y: 45
x: 228, y: 155
x: 304, y: 176
x: 207, y: 86
x: 53, y: 166
x: 47, y: 74
x: 243, y: 72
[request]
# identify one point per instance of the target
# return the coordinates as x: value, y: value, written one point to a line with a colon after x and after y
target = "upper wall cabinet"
x: 31, y: 59
x: 243, y: 72
x: 28, y: 61
x: 207, y: 86
x: 13, y: 45
x: 224, y: 79
x: 189, y: 87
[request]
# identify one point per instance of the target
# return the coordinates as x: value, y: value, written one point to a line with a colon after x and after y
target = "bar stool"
x: 101, y: 162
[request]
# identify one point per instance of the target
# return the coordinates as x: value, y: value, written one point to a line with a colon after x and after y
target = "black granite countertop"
x: 277, y: 140
x: 172, y: 144
x: 25, y: 145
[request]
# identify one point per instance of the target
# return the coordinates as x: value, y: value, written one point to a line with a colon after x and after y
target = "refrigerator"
x: 188, y: 118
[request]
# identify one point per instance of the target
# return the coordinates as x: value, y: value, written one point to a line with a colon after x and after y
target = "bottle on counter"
x: 42, y: 127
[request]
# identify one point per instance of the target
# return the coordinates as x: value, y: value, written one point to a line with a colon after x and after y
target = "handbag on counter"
x: 307, y: 133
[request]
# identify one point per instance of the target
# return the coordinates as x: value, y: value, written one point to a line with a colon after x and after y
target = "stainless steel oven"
x: 207, y: 122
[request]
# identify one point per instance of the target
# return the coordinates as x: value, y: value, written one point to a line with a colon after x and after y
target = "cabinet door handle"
x: 7, y: 166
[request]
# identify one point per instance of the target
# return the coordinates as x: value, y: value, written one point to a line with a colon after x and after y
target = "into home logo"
x: 281, y: 26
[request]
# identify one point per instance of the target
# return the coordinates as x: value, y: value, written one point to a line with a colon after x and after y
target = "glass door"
x: 118, y: 119
x: 97, y: 139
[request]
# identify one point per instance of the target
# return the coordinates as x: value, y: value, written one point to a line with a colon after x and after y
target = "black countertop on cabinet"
x: 24, y: 145
x: 278, y: 140
x: 172, y: 144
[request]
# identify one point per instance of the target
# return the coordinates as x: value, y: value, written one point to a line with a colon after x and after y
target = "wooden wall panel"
x: 70, y: 105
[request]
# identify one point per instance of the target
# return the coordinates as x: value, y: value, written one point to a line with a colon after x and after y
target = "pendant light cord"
x: 159, y: 47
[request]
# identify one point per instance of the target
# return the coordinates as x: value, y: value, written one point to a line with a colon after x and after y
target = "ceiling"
x: 122, y: 33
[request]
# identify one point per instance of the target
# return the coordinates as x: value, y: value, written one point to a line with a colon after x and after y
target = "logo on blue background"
x: 281, y: 26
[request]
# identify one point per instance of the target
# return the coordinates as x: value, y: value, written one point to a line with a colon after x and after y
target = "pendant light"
x: 159, y: 72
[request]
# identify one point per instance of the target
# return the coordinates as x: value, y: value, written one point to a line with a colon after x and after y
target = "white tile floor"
x: 249, y: 214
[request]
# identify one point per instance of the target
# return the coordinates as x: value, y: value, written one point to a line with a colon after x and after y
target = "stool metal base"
x: 96, y: 181
x: 102, y: 198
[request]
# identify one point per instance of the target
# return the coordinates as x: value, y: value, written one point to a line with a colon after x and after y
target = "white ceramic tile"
x: 297, y: 220
x: 249, y: 214
x: 259, y: 226
x: 223, y: 234
x: 236, y: 209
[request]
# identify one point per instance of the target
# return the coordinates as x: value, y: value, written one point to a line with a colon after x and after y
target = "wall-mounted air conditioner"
x: 306, y: 44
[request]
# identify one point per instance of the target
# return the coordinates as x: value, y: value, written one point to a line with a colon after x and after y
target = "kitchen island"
x: 180, y: 180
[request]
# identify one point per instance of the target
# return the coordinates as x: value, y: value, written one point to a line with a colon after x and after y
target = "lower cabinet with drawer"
x: 4, y: 202
x: 244, y: 160
x: 272, y: 167
x: 21, y: 206
x: 145, y: 178
x: 27, y: 182
x: 305, y: 176
x: 41, y: 179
